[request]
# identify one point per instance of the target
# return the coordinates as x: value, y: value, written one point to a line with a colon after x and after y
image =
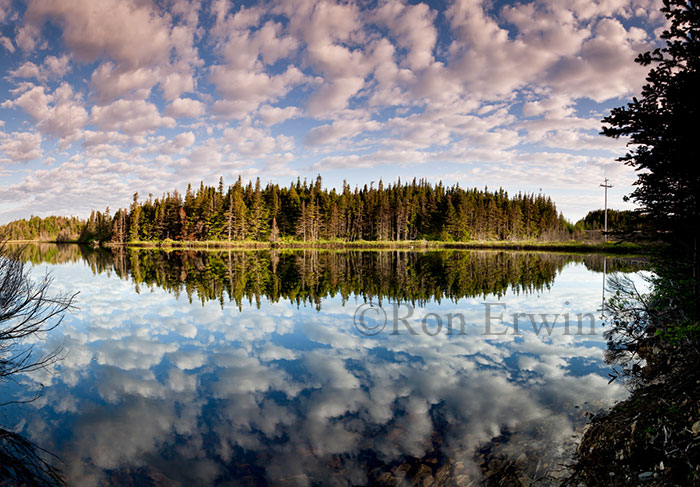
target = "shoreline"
x: 418, y: 245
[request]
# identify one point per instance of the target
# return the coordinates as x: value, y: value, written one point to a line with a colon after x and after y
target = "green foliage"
x: 310, y: 213
x: 618, y: 220
x: 52, y: 228
x: 399, y: 212
x: 679, y: 333
x: 97, y: 228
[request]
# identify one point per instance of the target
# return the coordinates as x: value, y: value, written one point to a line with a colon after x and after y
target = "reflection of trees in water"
x: 23, y: 463
x: 52, y: 253
x: 308, y: 276
x: 439, y: 411
x: 594, y: 262
x: 27, y: 311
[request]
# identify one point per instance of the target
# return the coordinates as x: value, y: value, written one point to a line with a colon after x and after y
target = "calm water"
x: 258, y: 368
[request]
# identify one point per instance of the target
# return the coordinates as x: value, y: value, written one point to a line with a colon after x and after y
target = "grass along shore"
x: 559, y: 246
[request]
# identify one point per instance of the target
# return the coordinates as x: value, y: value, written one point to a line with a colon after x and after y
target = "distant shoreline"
x: 562, y: 246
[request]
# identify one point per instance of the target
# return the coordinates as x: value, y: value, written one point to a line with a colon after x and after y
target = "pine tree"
x: 662, y: 127
x: 134, y: 219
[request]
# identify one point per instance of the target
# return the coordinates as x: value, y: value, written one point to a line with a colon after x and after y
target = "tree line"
x: 307, y: 211
x: 618, y: 220
x: 58, y: 228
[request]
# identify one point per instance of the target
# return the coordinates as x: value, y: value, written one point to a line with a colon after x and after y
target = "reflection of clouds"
x: 187, y: 359
x: 133, y: 352
x: 242, y: 374
x: 130, y: 435
x: 114, y: 383
x: 191, y: 391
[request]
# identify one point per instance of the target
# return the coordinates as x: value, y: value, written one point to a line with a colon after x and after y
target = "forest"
x: 51, y: 228
x: 306, y: 211
x: 617, y: 220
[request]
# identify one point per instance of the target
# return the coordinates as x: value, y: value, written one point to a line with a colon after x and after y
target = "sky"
x: 100, y: 99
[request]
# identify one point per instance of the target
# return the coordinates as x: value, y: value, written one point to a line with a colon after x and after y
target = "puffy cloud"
x: 243, y: 91
x: 26, y: 70
x: 136, y: 34
x: 143, y: 41
x: 59, y: 114
x: 111, y: 83
x: 255, y: 142
x: 57, y: 66
x: 414, y: 27
x: 176, y: 83
x: 180, y: 142
x: 242, y: 79
x: 185, y: 108
x: 334, y: 95
x: 52, y: 67
x: 602, y: 69
x: 5, y: 10
x: 273, y: 115
x: 26, y: 37
x: 20, y: 146
x: 133, y: 117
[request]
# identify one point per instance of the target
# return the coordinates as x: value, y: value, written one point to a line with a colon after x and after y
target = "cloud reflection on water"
x: 199, y: 394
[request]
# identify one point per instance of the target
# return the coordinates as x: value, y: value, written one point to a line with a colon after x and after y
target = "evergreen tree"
x: 134, y: 218
x: 662, y: 127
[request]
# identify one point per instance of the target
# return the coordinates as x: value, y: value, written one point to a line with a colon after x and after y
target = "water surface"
x: 250, y: 367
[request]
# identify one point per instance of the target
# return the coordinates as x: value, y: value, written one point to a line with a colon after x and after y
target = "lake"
x: 318, y: 367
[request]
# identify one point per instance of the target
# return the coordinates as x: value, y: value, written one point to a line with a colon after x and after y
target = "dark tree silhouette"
x: 27, y: 310
x: 655, y: 337
x: 662, y: 126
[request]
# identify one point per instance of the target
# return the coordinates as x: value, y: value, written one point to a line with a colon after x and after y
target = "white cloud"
x: 602, y: 69
x: 273, y: 115
x: 340, y: 129
x: 136, y: 34
x: 111, y: 83
x: 133, y: 117
x: 140, y: 39
x: 185, y: 108
x: 20, y: 146
x: 60, y: 114
x: 180, y: 142
x: 7, y: 43
x: 414, y: 27
x: 26, y: 70
x: 52, y: 67
x: 243, y: 91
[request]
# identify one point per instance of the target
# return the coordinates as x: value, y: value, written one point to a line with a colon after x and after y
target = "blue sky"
x: 103, y: 98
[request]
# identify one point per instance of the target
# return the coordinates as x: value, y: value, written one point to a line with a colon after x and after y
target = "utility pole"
x: 606, y: 186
